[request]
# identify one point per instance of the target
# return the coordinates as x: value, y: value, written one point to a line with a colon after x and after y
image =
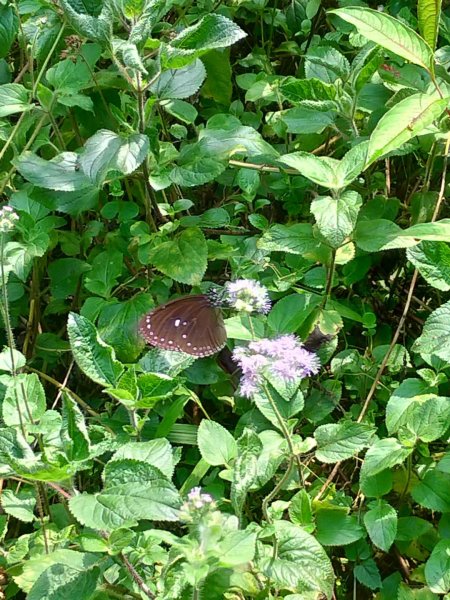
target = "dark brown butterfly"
x: 192, y: 324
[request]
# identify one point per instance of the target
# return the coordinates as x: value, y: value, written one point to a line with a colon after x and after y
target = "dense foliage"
x: 151, y: 148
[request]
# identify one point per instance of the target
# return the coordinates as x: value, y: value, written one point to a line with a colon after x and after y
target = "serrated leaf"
x: 237, y: 548
x: 14, y: 98
x: 435, y: 334
x: 24, y: 400
x: 289, y: 313
x: 301, y: 562
x: 295, y: 90
x: 293, y: 239
x: 35, y: 566
x: 155, y: 452
x: 336, y: 528
x: 383, y: 454
x: 60, y: 173
x: 381, y: 525
x: 95, y: 358
x: 217, y: 446
x: 105, y: 270
x: 184, y: 259
x: 421, y: 412
x: 74, y: 434
x: 130, y: 54
x: 432, y: 259
x: 339, y: 441
x: 134, y: 490
x: 336, y: 217
x: 213, y: 31
x: 63, y: 581
x: 433, y: 491
x: 106, y: 151
x: 19, y: 505
x: 98, y: 28
x: 390, y: 33
x: 180, y: 83
x: 437, y: 568
x: 9, y: 25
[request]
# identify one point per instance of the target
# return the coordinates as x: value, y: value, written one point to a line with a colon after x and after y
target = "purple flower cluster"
x: 8, y: 217
x: 196, y: 505
x: 283, y: 358
x: 247, y: 295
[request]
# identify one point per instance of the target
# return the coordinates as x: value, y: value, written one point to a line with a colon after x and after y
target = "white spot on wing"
x: 177, y: 322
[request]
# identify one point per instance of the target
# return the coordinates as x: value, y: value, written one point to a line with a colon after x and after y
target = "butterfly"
x: 192, y: 324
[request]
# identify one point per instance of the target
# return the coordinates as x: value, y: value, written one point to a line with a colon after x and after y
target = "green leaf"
x: 383, y: 454
x: 435, y: 335
x: 68, y: 77
x: 307, y: 119
x: 237, y: 548
x: 9, y: 25
x: 165, y: 361
x: 65, y: 274
x: 14, y: 98
x: 336, y: 217
x: 336, y: 528
x: 24, y: 401
x: 295, y: 90
x: 414, y: 407
x: 300, y: 511
x: 74, y: 434
x: 271, y: 404
x: 428, y: 12
x: 181, y: 110
x: 33, y: 568
x: 180, y: 83
x: 19, y: 505
x: 437, y: 568
x: 432, y: 259
x: 157, y: 453
x: 118, y: 325
x: 106, y: 151
x: 301, y: 562
x: 154, y: 387
x: 184, y: 259
x: 244, y: 327
x: 98, y: 28
x: 218, y: 84
x: 412, y: 528
x: 368, y: 574
x: 407, y: 119
x: 213, y: 31
x: 377, y: 485
x: 293, y: 239
x: 289, y: 313
x: 130, y: 54
x: 381, y: 234
x: 327, y: 64
x: 338, y: 441
x: 63, y: 581
x: 245, y: 468
x: 95, y: 358
x: 381, y: 525
x: 60, y: 173
x: 105, y: 270
x: 217, y: 446
x: 433, y: 491
x: 134, y: 490
x: 319, y: 169
x: 390, y: 33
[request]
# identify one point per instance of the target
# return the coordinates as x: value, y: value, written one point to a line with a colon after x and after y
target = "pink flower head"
x: 282, y: 358
x: 247, y: 295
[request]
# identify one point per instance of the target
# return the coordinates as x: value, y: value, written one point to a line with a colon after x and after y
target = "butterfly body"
x: 192, y: 324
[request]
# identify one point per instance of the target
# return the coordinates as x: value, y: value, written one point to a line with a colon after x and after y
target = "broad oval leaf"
x: 437, y: 568
x: 14, y: 98
x: 95, y: 358
x: 184, y: 258
x: 432, y: 259
x: 436, y: 334
x: 217, y: 446
x: 381, y: 525
x: 338, y: 441
x: 336, y: 217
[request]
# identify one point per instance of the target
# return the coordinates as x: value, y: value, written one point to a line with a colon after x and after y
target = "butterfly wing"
x: 188, y: 324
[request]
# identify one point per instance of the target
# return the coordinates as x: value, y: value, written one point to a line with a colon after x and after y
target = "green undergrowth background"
x: 150, y: 148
